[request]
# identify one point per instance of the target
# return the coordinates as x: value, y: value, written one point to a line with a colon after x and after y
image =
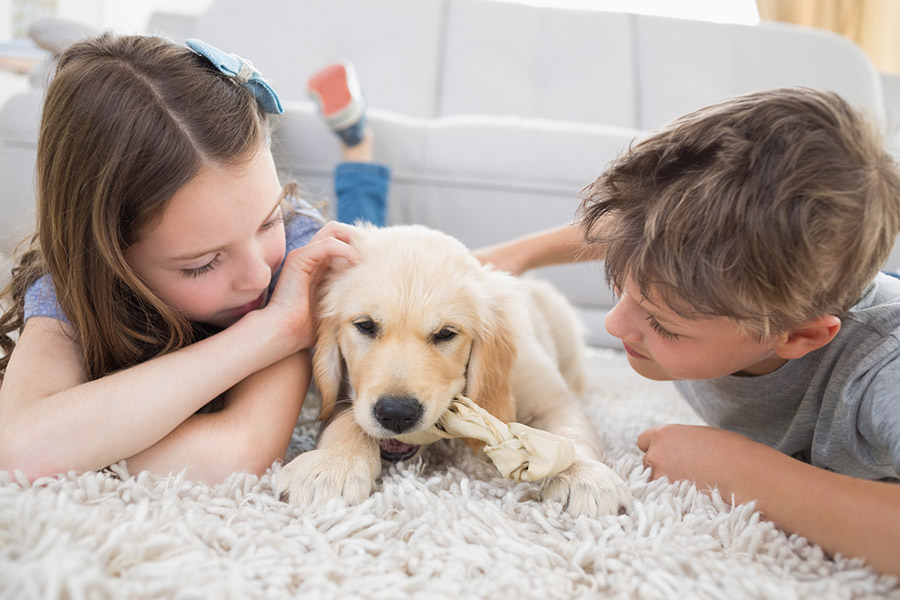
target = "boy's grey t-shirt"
x: 837, y: 407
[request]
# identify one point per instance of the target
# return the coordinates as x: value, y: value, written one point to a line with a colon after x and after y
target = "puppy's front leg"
x: 345, y: 463
x: 588, y: 487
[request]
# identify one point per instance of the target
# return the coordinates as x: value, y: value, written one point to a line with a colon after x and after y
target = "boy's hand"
x: 295, y: 293
x: 842, y: 514
x: 704, y: 455
x: 505, y: 257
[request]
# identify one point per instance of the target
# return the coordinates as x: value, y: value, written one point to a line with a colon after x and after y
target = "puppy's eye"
x: 367, y: 327
x: 444, y: 334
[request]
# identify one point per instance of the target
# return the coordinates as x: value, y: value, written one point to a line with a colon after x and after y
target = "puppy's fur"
x: 418, y: 320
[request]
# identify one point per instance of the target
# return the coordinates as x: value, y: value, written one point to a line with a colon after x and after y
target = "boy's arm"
x: 842, y: 514
x: 251, y: 431
x: 563, y: 244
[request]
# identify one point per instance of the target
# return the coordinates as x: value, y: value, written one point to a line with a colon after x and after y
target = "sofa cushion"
x: 684, y: 65
x: 394, y: 44
x: 506, y: 58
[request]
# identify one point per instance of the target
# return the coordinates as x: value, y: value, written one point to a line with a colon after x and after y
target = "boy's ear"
x: 804, y: 339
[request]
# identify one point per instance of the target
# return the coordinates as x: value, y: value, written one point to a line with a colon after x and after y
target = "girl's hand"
x: 295, y: 294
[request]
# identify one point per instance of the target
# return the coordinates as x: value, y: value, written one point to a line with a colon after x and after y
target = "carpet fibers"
x: 443, y: 525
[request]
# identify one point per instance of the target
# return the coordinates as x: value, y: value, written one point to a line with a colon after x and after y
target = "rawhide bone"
x: 519, y: 452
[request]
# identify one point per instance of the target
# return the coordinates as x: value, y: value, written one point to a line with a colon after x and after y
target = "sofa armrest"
x: 19, y: 120
x: 55, y: 34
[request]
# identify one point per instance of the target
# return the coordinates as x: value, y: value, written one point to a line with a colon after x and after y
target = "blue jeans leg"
x: 362, y: 190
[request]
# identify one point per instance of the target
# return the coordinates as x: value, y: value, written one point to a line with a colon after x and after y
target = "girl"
x: 148, y: 290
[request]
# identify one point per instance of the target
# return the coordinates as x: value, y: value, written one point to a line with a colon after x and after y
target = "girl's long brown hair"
x: 127, y: 121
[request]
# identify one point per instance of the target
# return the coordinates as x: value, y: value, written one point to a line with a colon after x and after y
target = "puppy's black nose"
x: 397, y: 413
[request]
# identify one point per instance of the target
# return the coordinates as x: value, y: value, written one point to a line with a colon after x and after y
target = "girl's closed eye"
x: 275, y: 220
x: 201, y: 270
x: 660, y: 330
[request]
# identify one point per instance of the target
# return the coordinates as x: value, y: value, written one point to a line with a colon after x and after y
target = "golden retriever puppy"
x: 418, y: 320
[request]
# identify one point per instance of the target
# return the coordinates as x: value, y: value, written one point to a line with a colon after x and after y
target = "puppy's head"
x: 416, y: 321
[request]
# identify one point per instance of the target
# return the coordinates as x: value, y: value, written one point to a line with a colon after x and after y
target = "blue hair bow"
x: 242, y: 72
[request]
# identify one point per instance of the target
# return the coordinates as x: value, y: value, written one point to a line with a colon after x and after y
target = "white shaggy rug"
x: 442, y: 526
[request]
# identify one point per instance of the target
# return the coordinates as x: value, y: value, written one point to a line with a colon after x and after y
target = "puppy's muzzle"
x: 398, y: 413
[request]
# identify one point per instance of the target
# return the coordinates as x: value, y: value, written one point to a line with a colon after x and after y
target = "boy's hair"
x: 772, y: 208
x: 127, y: 121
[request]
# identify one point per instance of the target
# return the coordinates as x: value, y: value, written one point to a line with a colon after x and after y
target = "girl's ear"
x: 811, y: 336
x: 489, y: 374
x: 328, y: 365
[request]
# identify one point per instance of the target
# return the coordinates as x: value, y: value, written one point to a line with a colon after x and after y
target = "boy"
x: 744, y: 242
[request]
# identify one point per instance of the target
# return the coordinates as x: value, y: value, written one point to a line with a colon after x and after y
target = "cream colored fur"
x: 418, y: 317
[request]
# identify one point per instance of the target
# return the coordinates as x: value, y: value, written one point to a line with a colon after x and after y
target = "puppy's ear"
x: 328, y: 365
x: 489, y: 376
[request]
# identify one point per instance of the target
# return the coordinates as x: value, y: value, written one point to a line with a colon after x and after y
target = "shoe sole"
x: 330, y: 86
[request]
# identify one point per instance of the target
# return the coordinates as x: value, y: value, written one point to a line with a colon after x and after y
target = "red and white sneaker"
x: 336, y: 90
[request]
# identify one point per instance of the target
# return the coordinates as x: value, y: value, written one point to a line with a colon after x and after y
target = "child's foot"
x: 337, y: 91
x: 361, y: 152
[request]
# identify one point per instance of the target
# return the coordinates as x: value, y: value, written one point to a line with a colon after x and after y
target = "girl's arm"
x: 251, y: 431
x: 842, y: 514
x: 563, y: 244
x: 52, y: 420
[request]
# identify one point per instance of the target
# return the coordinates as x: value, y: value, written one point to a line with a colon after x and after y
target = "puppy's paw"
x: 317, y: 476
x: 589, y: 488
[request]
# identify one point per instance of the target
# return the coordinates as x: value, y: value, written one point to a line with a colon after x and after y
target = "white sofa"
x: 493, y: 115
